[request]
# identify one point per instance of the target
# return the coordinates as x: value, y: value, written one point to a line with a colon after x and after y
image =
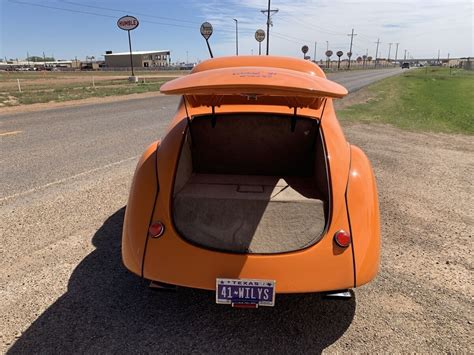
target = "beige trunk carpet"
x: 248, y: 214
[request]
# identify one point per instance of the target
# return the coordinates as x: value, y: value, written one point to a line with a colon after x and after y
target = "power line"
x: 113, y: 16
x: 92, y: 13
x: 129, y: 11
x: 311, y: 27
x: 288, y: 36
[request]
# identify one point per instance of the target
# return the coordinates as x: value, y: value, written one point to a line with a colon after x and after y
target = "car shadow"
x: 107, y: 309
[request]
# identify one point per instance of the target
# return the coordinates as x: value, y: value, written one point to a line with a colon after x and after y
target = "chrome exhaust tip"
x: 342, y: 294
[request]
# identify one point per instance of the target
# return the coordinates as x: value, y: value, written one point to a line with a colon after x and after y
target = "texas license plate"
x: 245, y: 292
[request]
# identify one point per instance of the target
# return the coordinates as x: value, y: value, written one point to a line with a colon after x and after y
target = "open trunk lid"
x: 254, y: 85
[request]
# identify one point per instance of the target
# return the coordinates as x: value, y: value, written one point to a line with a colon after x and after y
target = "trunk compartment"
x: 251, y: 183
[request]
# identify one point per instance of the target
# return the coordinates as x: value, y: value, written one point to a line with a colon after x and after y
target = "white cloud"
x: 421, y: 27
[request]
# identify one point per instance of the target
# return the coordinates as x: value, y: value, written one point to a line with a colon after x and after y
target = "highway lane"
x: 357, y: 79
x: 45, y: 147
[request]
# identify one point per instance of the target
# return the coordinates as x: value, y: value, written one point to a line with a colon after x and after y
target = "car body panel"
x: 254, y: 80
x: 140, y: 204
x: 278, y: 81
x: 267, y: 61
x: 363, y: 207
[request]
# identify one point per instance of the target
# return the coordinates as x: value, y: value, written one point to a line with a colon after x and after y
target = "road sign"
x: 349, y: 54
x: 259, y: 35
x: 304, y: 49
x: 339, y: 53
x: 328, y: 53
x: 206, y: 30
x: 127, y: 23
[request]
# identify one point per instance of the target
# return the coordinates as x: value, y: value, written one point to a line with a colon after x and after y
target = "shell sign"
x: 127, y: 23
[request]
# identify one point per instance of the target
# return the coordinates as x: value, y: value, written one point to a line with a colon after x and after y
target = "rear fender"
x: 140, y: 206
x: 364, y: 217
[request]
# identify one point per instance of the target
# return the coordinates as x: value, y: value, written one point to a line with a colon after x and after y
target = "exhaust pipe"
x: 342, y: 295
x: 161, y: 286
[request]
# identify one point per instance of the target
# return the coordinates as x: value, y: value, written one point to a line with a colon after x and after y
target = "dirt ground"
x: 88, y: 101
x: 422, y: 299
x: 63, y: 288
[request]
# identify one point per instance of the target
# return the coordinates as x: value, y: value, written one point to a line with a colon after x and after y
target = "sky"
x: 67, y: 29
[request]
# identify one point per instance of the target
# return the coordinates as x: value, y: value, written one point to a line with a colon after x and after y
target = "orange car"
x: 254, y: 190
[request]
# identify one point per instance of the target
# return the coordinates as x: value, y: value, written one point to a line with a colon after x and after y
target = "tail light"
x: 156, y: 229
x: 342, y: 238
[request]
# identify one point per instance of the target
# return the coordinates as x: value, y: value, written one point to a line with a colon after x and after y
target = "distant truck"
x: 405, y: 65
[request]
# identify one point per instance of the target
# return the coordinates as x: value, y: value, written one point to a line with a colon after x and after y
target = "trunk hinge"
x: 293, y: 119
x: 213, y: 117
x: 322, y: 112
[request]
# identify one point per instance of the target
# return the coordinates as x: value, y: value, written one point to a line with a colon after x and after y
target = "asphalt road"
x: 65, y: 175
x: 58, y: 144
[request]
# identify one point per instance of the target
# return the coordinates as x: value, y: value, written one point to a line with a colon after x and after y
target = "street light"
x: 236, y: 36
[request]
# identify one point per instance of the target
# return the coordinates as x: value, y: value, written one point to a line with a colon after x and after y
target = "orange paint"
x: 321, y: 267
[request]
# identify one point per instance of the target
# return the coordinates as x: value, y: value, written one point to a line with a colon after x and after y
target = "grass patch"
x: 61, y: 75
x: 426, y: 99
x: 58, y: 92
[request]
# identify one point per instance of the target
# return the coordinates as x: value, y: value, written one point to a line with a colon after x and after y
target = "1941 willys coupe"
x: 254, y: 190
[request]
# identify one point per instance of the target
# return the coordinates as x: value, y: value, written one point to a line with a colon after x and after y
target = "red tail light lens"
x: 342, y: 238
x: 156, y: 230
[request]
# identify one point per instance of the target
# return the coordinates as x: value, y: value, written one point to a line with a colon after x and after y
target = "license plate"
x: 245, y: 292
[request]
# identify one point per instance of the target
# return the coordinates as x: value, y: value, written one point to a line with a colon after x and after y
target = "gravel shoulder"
x: 64, y: 288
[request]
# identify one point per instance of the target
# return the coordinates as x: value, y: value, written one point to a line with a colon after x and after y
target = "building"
x: 141, y: 59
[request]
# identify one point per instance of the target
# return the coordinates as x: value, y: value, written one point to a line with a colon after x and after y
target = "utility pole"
x: 405, y: 56
x: 438, y: 56
x: 352, y: 34
x: 236, y: 36
x: 268, y: 27
x: 389, y: 50
x: 28, y: 58
x: 377, y: 52
x: 314, y: 57
x: 269, y: 12
x: 396, y: 51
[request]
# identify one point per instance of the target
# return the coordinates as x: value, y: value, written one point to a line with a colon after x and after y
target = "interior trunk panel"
x: 251, y: 184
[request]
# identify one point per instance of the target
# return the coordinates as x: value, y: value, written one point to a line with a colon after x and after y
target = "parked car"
x: 254, y: 190
x: 405, y: 65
